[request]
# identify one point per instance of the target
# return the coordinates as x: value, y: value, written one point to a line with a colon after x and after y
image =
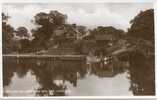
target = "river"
x: 44, y: 77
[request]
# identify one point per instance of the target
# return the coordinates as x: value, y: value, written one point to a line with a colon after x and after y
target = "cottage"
x: 104, y: 40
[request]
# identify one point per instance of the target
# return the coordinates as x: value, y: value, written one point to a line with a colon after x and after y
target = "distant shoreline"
x: 34, y: 55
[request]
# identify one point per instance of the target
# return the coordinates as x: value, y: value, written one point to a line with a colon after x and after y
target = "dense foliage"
x: 142, y: 26
x: 7, y: 34
x: 46, y: 24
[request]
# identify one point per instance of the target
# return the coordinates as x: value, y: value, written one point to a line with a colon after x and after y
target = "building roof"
x: 104, y: 37
x: 59, y: 32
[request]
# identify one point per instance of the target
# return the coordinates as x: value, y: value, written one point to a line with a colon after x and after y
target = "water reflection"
x: 49, y: 77
x: 142, y: 72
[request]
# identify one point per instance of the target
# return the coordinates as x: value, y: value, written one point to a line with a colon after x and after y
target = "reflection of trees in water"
x: 45, y: 78
x: 22, y: 67
x: 46, y: 72
x: 11, y: 66
x: 7, y: 71
x: 49, y: 71
x: 142, y: 74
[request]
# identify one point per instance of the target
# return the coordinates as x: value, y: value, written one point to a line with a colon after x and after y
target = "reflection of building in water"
x: 108, y: 69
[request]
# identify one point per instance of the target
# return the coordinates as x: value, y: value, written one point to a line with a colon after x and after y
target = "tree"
x: 100, y: 30
x: 142, y: 59
x: 22, y: 41
x: 22, y: 32
x: 7, y: 34
x: 47, y: 23
x: 142, y: 26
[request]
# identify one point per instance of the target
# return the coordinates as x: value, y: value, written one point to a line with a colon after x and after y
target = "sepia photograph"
x: 78, y: 49
x: 79, y: 99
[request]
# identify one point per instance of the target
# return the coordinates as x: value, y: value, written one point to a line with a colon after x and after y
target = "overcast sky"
x: 87, y: 14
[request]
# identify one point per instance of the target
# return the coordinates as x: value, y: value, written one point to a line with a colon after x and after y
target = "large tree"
x: 142, y: 26
x: 47, y: 23
x: 7, y: 34
x: 142, y: 59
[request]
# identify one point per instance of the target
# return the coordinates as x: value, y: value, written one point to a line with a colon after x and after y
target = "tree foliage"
x: 22, y: 32
x: 142, y: 26
x: 23, y: 41
x: 100, y: 30
x: 7, y: 34
x: 47, y: 23
x: 142, y: 58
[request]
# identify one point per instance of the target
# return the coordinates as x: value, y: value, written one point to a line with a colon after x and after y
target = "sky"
x: 91, y: 15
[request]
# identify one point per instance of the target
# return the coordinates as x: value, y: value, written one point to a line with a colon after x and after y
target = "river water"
x: 47, y: 77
